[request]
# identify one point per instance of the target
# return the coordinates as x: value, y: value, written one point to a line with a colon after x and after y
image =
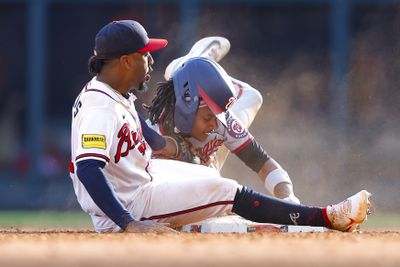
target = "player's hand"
x: 149, y: 227
x: 179, y: 149
x: 293, y: 199
x: 285, y: 192
x: 169, y: 150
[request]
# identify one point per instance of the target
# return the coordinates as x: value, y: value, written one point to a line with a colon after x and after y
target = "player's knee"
x: 223, y: 186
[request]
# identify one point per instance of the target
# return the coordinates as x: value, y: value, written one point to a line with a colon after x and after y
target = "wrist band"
x: 275, y: 177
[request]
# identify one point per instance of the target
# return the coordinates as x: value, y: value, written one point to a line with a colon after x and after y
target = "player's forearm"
x: 272, y: 174
x: 277, y: 180
x: 90, y: 174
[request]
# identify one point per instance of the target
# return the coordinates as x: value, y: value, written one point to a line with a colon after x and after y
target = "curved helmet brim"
x: 214, y: 107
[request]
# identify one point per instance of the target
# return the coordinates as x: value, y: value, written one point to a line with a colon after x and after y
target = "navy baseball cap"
x: 124, y: 37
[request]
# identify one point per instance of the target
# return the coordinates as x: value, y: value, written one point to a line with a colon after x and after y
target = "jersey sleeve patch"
x: 94, y: 141
x: 236, y: 129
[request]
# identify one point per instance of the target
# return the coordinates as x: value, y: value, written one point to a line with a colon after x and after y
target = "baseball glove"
x: 184, y: 150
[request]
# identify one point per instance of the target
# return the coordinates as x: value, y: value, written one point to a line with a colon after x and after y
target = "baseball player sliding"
x: 116, y: 181
x: 212, y: 141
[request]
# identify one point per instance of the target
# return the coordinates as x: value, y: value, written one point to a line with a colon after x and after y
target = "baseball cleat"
x: 214, y: 48
x: 347, y: 215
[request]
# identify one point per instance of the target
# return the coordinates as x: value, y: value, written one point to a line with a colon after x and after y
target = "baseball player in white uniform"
x: 234, y: 137
x: 116, y: 181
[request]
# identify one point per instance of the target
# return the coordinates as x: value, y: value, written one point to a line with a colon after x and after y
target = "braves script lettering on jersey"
x: 130, y: 139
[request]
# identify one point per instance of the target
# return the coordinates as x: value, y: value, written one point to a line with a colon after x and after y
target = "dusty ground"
x: 63, y: 248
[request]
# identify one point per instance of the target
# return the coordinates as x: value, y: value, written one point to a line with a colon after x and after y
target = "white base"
x: 236, y: 224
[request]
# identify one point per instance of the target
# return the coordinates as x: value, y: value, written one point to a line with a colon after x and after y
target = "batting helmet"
x: 200, y: 80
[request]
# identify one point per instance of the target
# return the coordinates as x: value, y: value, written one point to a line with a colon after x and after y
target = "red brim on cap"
x: 153, y: 45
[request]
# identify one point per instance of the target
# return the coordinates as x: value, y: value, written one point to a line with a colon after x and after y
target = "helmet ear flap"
x: 187, y: 100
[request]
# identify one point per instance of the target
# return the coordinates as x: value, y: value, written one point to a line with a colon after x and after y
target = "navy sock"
x: 261, y: 208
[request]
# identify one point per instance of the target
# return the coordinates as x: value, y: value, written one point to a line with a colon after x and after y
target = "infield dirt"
x: 75, y: 248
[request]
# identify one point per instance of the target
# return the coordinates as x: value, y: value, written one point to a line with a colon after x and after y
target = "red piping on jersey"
x: 242, y: 146
x: 147, y: 170
x: 155, y: 217
x: 71, y: 167
x: 240, y: 89
x: 92, y: 155
x: 100, y: 91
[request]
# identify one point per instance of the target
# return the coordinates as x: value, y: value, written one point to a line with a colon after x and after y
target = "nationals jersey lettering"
x: 130, y: 139
x: 235, y: 138
x: 206, y: 152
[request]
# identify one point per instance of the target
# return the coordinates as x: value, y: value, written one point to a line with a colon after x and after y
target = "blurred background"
x: 328, y: 72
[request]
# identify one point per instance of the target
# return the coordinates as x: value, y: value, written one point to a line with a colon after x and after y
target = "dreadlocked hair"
x: 163, y: 104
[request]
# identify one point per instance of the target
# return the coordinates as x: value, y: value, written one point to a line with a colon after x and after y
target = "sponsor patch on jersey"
x: 235, y: 128
x: 94, y: 141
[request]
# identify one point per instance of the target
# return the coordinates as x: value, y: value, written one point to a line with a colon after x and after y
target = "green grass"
x: 43, y: 219
x: 78, y: 219
x: 383, y: 221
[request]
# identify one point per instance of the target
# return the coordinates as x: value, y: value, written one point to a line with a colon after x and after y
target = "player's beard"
x: 142, y: 87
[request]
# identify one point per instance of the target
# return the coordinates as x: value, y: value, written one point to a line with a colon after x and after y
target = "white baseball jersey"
x: 106, y: 127
x: 235, y: 136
